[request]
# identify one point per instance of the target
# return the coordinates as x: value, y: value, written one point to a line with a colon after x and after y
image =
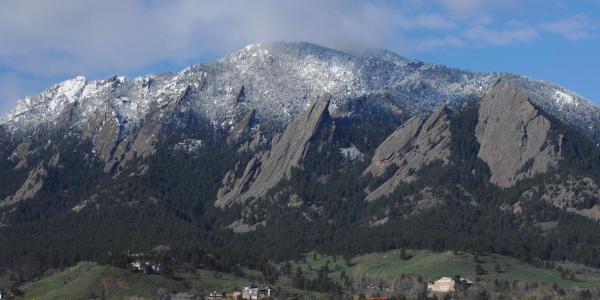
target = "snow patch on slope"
x: 50, y: 102
x: 563, y: 98
x: 279, y: 81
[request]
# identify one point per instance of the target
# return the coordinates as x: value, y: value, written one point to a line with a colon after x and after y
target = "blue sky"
x: 44, y: 42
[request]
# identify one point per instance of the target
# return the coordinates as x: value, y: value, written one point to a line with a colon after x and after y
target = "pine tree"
x: 298, y: 280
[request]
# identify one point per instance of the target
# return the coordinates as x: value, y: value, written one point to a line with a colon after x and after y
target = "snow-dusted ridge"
x: 563, y: 98
x: 279, y: 81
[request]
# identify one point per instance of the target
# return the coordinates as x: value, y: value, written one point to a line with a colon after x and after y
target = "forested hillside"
x: 494, y: 171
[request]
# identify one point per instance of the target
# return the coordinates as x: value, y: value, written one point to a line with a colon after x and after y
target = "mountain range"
x: 280, y: 149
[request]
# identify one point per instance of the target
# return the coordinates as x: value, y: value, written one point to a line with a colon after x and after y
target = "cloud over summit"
x: 45, y: 41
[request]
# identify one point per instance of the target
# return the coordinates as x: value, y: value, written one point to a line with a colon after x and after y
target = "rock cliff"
x: 513, y: 135
x: 418, y: 142
x: 33, y: 183
x: 265, y: 170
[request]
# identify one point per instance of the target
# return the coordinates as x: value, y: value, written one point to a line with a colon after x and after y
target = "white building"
x: 442, y: 285
x: 136, y: 266
x: 257, y: 293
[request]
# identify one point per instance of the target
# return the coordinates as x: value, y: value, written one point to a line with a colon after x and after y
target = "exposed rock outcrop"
x: 576, y: 194
x: 103, y: 128
x: 114, y: 146
x: 292, y: 147
x: 54, y: 160
x: 241, y: 127
x: 233, y: 188
x: 427, y: 199
x: 287, y: 151
x: 351, y: 153
x: 83, y: 204
x: 513, y: 136
x: 420, y: 202
x: 418, y: 142
x: 20, y: 155
x: 33, y: 183
x: 240, y: 227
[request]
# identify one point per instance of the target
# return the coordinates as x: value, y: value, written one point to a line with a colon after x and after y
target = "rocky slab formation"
x: 103, y: 128
x: 513, y: 135
x: 265, y: 170
x: 116, y: 145
x: 33, y: 183
x: 19, y: 155
x: 415, y: 144
x: 240, y: 128
x: 233, y: 189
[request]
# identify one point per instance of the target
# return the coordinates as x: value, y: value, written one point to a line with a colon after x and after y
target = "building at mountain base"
x: 442, y: 285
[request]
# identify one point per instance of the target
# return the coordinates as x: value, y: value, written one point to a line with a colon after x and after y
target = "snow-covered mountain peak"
x: 248, y: 54
x: 51, y: 101
x: 278, y: 81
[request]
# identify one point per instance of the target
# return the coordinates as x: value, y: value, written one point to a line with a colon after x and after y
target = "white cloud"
x: 482, y: 20
x: 53, y: 39
x: 464, y: 7
x: 13, y: 87
x: 484, y: 36
x: 77, y: 36
x: 433, y: 43
x: 474, y: 8
x: 429, y: 21
x: 62, y: 38
x: 573, y: 28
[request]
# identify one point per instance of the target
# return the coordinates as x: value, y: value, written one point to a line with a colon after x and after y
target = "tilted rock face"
x: 240, y: 128
x: 415, y: 144
x: 146, y: 136
x: 116, y: 144
x: 276, y: 82
x: 287, y: 151
x: 513, y: 135
x: 20, y: 155
x: 233, y: 188
x: 292, y: 147
x: 103, y: 129
x: 33, y: 183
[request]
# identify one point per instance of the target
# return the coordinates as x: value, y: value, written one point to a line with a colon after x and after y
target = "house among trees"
x: 214, y: 295
x: 233, y: 295
x: 448, y: 284
x: 253, y: 292
x: 146, y: 267
x: 442, y: 285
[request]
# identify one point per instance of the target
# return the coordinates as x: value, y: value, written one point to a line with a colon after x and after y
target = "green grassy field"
x: 431, y: 265
x: 204, y: 280
x: 88, y: 280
